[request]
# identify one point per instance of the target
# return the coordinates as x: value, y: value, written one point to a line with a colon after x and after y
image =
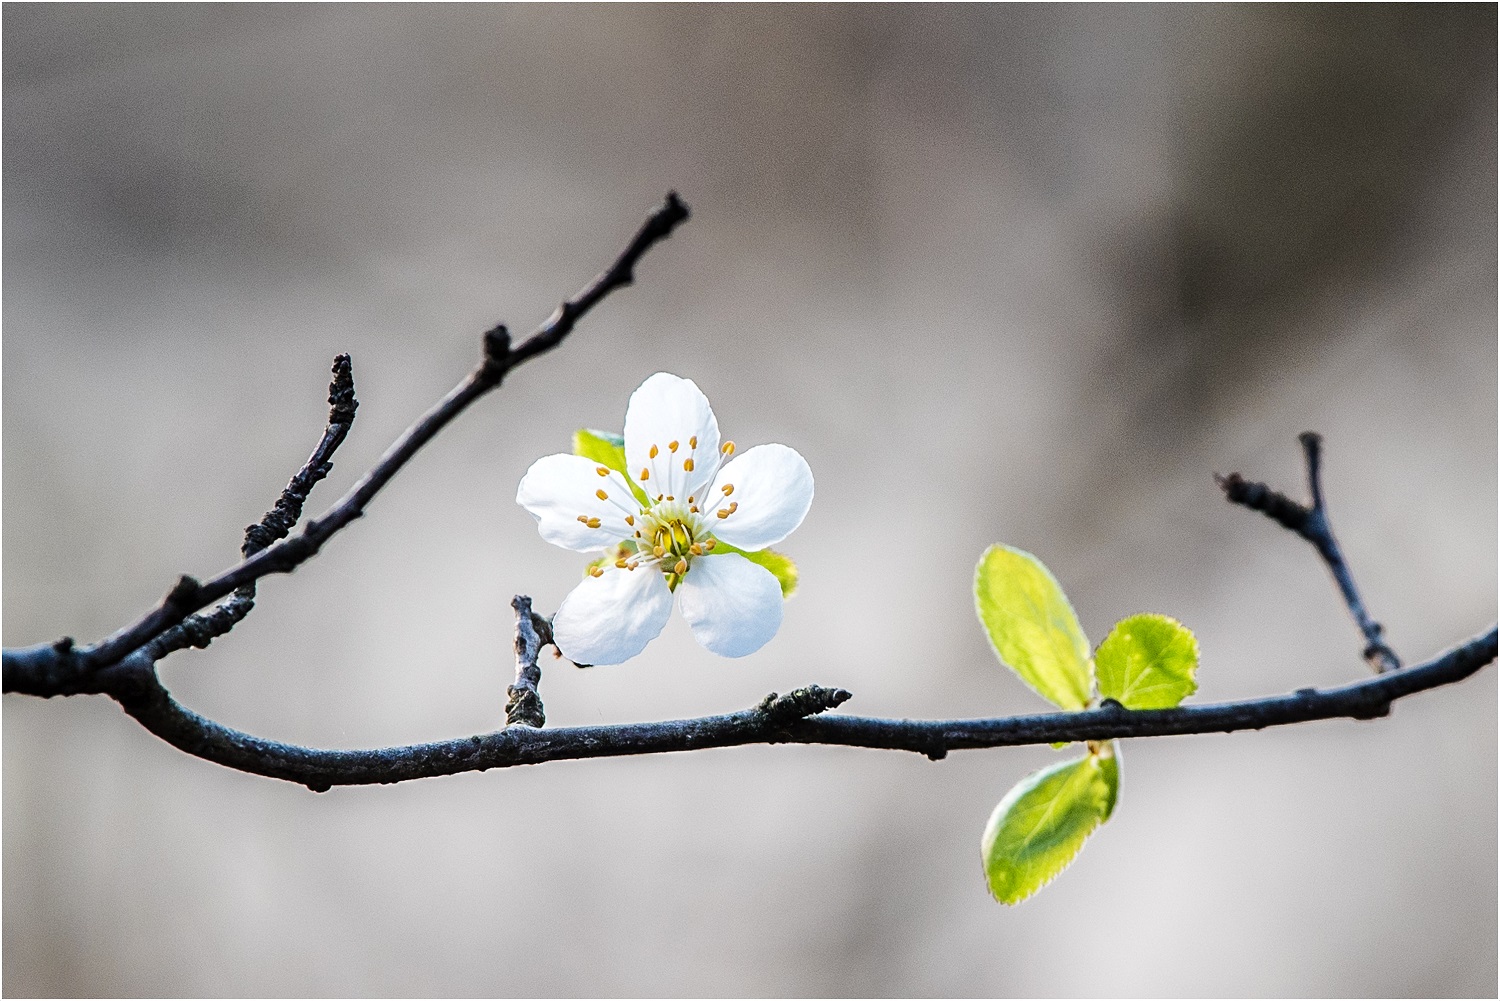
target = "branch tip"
x: 341, y: 392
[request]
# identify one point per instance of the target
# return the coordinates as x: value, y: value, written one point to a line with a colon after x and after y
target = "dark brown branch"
x: 1312, y: 524
x: 138, y: 690
x: 62, y: 669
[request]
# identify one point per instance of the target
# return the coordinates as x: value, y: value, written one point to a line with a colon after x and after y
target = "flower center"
x: 674, y: 535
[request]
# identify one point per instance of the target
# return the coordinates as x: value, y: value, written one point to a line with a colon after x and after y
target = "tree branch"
x: 1312, y: 524
x: 774, y: 721
x: 123, y: 665
x: 61, y: 669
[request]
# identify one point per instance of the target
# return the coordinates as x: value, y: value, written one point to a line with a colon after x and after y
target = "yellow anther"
x: 669, y: 497
x: 671, y: 446
x: 595, y: 572
x: 728, y: 489
x: 708, y: 545
x: 630, y: 519
x: 734, y: 506
x: 723, y: 512
x: 693, y: 442
x: 681, y: 567
x: 687, y: 464
x: 653, y: 451
x: 658, y: 498
x: 695, y: 549
x: 601, y: 495
x: 692, y: 508
x: 583, y: 519
x: 638, y: 535
x: 727, y: 448
x: 659, y: 550
x: 601, y: 470
x: 621, y: 563
x: 645, y: 474
x: 593, y: 523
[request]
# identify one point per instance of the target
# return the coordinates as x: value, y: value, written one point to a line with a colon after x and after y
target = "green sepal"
x: 780, y: 565
x: 1039, y: 827
x: 1147, y: 662
x: 1032, y: 627
x: 608, y: 450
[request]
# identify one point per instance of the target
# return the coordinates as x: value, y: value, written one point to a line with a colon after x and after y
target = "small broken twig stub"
x: 524, y: 702
x: 802, y: 703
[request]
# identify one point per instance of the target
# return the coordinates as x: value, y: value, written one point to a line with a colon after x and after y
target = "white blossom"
x: 699, y: 495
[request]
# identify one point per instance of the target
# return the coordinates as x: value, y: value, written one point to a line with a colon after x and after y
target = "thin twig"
x: 201, y: 629
x: 1312, y: 524
x: 58, y: 668
x: 144, y: 698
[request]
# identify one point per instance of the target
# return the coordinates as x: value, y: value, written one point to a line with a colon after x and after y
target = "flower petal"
x: 672, y: 416
x: 560, y: 489
x: 759, y: 498
x: 610, y: 618
x: 733, y: 605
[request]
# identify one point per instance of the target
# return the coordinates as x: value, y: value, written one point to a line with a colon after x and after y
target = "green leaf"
x: 1040, y: 825
x: 780, y: 565
x: 1032, y: 627
x: 607, y: 450
x: 1148, y: 662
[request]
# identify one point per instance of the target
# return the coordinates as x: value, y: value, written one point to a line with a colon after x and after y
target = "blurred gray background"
x: 1001, y: 274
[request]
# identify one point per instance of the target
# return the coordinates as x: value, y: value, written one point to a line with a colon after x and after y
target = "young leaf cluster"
x: 1146, y: 662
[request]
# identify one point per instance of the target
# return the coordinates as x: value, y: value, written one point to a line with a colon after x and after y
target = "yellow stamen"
x: 601, y: 470
x: 583, y: 519
x: 621, y: 563
x: 723, y: 512
x: 687, y: 464
x: 593, y: 523
x: 595, y: 572
x: 695, y: 549
x: 727, y: 448
x: 630, y: 519
x: 645, y: 474
x: 693, y: 442
x: 670, y: 497
x: 692, y: 508
x: 734, y: 506
x: 681, y: 567
x: 653, y: 451
x: 708, y: 545
x: 601, y: 495
x: 671, y: 446
x: 659, y: 550
x: 728, y: 489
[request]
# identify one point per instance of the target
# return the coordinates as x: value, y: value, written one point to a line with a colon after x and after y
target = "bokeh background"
x: 1000, y: 273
